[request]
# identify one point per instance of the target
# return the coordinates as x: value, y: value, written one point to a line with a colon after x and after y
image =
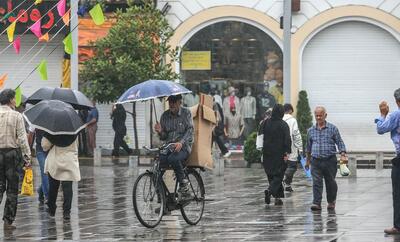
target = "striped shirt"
x: 12, y: 130
x: 321, y: 143
x: 178, y: 128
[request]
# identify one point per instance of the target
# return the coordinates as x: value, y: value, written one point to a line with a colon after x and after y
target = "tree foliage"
x: 304, y: 116
x: 250, y: 153
x: 133, y: 51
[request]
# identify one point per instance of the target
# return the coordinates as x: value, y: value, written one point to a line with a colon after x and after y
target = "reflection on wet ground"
x: 235, y: 211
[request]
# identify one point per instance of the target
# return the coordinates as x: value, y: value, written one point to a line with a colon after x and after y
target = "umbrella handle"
x: 155, y: 111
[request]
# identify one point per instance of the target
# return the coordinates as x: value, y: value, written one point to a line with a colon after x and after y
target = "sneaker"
x: 316, y: 207
x: 331, y: 206
x: 51, y: 213
x: 227, y: 154
x: 288, y: 188
x: 278, y: 201
x: 184, y: 190
x: 67, y: 216
x: 392, y: 231
x: 267, y: 198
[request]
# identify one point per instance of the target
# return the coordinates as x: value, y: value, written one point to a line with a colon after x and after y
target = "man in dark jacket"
x: 277, y: 146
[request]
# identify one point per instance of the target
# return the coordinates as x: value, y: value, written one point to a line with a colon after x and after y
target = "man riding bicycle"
x: 176, y: 127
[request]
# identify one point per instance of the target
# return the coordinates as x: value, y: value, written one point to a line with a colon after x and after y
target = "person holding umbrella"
x: 13, y: 140
x: 61, y: 124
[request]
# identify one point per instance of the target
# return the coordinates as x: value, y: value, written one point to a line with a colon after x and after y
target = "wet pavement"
x: 234, y: 210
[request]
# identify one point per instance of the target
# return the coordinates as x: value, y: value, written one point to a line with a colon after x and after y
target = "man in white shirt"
x: 297, y: 146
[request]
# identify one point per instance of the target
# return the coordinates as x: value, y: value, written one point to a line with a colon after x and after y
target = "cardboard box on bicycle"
x: 204, y: 121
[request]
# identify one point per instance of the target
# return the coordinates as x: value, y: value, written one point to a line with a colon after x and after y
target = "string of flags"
x: 96, y: 14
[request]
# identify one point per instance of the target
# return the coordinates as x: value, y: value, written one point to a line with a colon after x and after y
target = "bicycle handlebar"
x: 157, y: 149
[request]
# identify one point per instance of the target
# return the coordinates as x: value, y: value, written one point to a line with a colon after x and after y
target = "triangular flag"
x: 44, y: 38
x: 38, y: 2
x: 36, y: 28
x: 68, y: 44
x: 3, y: 79
x: 61, y: 7
x: 10, y: 31
x: 65, y: 18
x: 42, y: 68
x: 18, y: 96
x: 17, y: 44
x: 97, y: 14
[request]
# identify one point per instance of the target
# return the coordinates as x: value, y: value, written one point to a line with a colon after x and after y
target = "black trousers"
x: 53, y: 193
x: 120, y: 142
x: 9, y: 179
x: 396, y: 191
x: 324, y: 169
x: 220, y: 143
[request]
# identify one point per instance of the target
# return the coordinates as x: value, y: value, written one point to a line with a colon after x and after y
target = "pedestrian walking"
x: 218, y: 130
x: 322, y: 140
x: 14, y: 151
x: 91, y: 128
x: 391, y: 123
x: 297, y: 146
x: 43, y: 190
x: 118, y: 115
x: 62, y: 167
x: 276, y: 147
x: 82, y: 136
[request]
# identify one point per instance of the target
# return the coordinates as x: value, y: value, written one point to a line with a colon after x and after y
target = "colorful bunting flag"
x: 61, y: 7
x: 17, y: 44
x: 97, y: 14
x: 3, y: 80
x: 44, y: 38
x: 42, y: 68
x: 9, y: 14
x: 38, y: 2
x: 36, y: 28
x: 10, y: 31
x: 65, y: 18
x: 18, y: 96
x: 68, y: 44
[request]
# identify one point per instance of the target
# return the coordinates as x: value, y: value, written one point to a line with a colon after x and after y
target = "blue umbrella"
x: 152, y: 89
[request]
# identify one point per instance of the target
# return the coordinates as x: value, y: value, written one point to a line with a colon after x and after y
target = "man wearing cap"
x: 13, y: 140
x: 176, y: 126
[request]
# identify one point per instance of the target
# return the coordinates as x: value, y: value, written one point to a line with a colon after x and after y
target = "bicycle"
x: 152, y: 198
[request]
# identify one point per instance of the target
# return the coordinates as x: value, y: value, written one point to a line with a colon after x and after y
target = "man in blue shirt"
x: 322, y: 139
x: 391, y: 123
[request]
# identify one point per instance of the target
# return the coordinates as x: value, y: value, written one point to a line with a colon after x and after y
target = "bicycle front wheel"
x: 148, y: 200
x: 192, y: 210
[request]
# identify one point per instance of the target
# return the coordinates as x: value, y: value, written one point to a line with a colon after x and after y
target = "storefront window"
x: 241, y: 66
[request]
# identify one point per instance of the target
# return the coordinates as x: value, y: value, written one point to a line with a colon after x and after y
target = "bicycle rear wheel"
x: 148, y: 200
x: 192, y: 210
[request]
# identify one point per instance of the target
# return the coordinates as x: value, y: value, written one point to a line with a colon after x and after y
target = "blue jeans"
x: 175, y: 160
x: 41, y: 157
x: 324, y: 169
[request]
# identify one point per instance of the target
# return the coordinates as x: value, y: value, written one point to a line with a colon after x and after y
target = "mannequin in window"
x: 248, y: 110
x: 191, y: 99
x: 231, y: 101
x: 277, y: 90
x: 265, y: 101
x: 233, y: 127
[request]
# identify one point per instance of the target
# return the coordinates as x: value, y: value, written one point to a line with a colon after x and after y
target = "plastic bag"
x: 27, y: 183
x: 260, y: 141
x: 344, y: 171
x: 303, y: 164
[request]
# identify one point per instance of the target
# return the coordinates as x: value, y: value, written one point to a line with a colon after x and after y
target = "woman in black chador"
x: 277, y: 146
x: 118, y: 116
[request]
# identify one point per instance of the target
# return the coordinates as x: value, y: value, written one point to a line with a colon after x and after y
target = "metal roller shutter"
x: 18, y: 69
x: 349, y: 68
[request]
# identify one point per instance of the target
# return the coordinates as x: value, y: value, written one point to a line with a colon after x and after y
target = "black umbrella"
x: 77, y: 99
x: 54, y: 117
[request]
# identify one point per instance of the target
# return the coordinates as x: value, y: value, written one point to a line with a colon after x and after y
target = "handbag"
x: 260, y: 141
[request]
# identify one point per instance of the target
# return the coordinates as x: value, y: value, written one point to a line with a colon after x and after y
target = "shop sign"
x: 27, y: 14
x: 196, y: 60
